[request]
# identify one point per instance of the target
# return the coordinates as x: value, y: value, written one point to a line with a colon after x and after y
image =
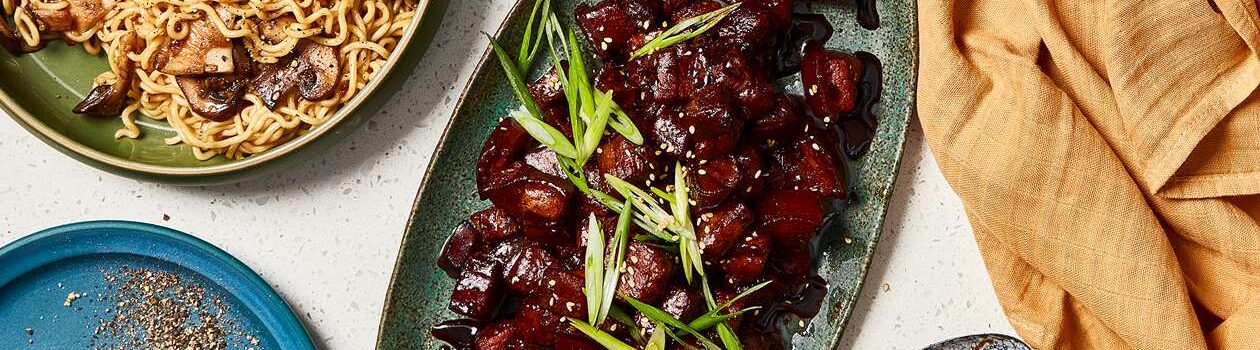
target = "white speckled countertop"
x: 326, y: 233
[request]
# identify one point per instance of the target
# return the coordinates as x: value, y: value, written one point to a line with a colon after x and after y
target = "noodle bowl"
x: 137, y: 35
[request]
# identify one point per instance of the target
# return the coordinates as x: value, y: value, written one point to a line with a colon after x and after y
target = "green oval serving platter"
x: 418, y: 294
x: 40, y: 89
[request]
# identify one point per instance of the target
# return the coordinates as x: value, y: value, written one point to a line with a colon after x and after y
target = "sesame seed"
x: 691, y: 129
x: 826, y: 119
x: 815, y: 146
x: 551, y: 283
x: 813, y: 89
x: 702, y: 172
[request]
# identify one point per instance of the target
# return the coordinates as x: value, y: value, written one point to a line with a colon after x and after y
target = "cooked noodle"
x: 364, y: 31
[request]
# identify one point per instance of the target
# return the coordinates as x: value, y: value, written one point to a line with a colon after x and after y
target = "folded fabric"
x: 1108, y: 155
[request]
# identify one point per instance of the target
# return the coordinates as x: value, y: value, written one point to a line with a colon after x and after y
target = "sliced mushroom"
x: 111, y: 99
x: 312, y: 70
x: 49, y: 20
x: 319, y: 79
x: 219, y: 96
x: 214, y: 96
x: 89, y: 13
x: 204, y: 51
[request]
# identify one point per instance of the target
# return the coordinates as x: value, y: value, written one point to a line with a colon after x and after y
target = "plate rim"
x: 290, y: 333
x: 428, y: 176
x: 77, y: 150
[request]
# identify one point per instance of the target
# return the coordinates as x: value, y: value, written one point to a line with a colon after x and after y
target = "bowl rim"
x: 76, y: 149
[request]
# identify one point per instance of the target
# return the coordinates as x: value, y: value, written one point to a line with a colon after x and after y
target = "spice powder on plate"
x: 156, y: 310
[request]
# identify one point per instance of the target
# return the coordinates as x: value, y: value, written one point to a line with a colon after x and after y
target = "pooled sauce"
x: 867, y: 14
x: 859, y: 126
x: 806, y: 28
x: 458, y: 334
x: 805, y: 304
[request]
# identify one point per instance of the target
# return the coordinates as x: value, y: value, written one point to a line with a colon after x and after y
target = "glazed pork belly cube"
x: 544, y: 159
x: 711, y: 183
x: 647, y: 272
x: 722, y: 228
x: 752, y: 183
x: 780, y: 125
x: 479, y: 291
x: 696, y: 8
x: 457, y: 253
x: 809, y: 163
x: 541, y: 318
x: 706, y: 128
x: 830, y: 81
x: 746, y: 262
x: 627, y: 161
x: 610, y: 24
x: 748, y: 28
x: 793, y: 261
x: 528, y: 272
x: 779, y: 12
x: 790, y: 215
x: 547, y: 232
x: 683, y: 303
x: 500, y: 335
x: 528, y: 193
x: 506, y: 144
x: 495, y: 225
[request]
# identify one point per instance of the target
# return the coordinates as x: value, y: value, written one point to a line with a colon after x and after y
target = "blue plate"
x: 39, y: 272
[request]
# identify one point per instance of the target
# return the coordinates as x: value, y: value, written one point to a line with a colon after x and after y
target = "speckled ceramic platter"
x: 39, y: 90
x: 419, y: 291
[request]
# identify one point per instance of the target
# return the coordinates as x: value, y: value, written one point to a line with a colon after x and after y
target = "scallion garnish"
x: 519, y: 88
x: 724, y: 330
x: 713, y: 317
x: 688, y: 249
x: 594, y: 271
x: 685, y: 30
x: 607, y: 340
x: 655, y: 314
x: 533, y: 41
x: 616, y: 314
x: 612, y: 273
x: 547, y: 135
x: 657, y: 342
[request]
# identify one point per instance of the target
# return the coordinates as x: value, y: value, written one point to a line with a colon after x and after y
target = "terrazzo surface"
x: 326, y: 232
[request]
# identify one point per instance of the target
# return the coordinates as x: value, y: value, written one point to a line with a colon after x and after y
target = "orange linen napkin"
x: 1108, y: 155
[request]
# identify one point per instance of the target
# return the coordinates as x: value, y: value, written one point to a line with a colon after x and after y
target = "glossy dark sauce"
x: 858, y: 128
x: 458, y: 334
x: 806, y: 28
x: 867, y: 14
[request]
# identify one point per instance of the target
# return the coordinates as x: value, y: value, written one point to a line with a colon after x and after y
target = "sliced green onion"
x: 547, y: 135
x: 684, y: 31
x: 625, y: 126
x: 594, y: 270
x: 616, y: 314
x: 607, y: 340
x: 595, y: 129
x: 657, y: 342
x: 658, y: 315
x: 706, y: 321
x: 724, y: 330
x: 531, y: 41
x: 652, y: 217
x: 515, y: 79
x: 612, y: 273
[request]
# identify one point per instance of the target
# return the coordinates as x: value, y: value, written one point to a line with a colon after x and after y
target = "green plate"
x: 40, y: 89
x: 419, y: 291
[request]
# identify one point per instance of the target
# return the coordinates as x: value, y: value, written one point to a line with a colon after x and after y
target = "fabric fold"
x: 1101, y: 149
